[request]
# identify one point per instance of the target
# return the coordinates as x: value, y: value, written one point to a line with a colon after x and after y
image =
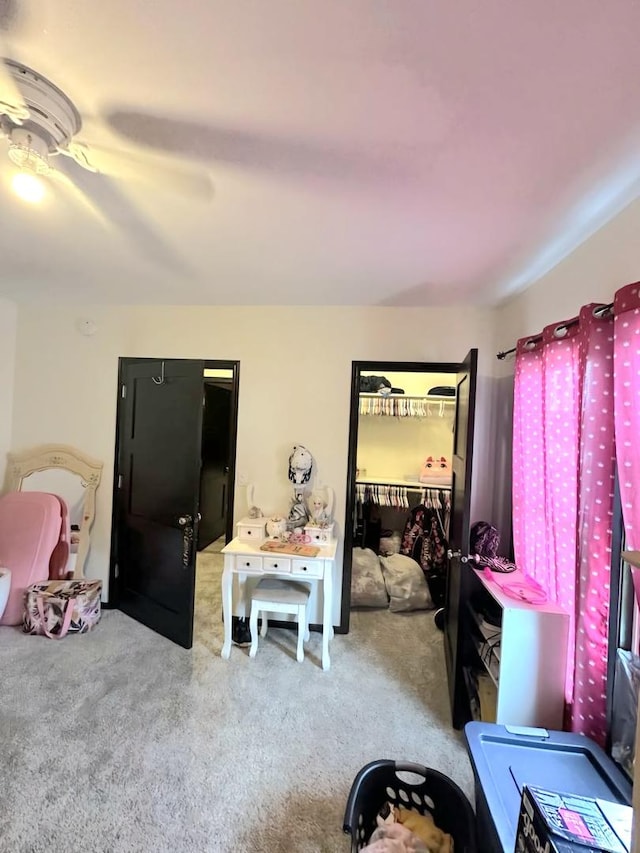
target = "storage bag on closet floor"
x: 406, y: 584
x: 58, y: 608
x: 367, y: 583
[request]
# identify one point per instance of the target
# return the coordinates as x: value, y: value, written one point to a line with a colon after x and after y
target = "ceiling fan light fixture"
x: 28, y: 151
x: 29, y: 187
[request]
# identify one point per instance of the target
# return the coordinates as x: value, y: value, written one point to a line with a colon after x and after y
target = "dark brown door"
x: 459, y: 580
x: 216, y: 451
x: 159, y: 440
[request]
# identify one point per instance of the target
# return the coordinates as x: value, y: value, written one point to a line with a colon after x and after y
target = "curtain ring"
x: 560, y: 331
x: 602, y: 311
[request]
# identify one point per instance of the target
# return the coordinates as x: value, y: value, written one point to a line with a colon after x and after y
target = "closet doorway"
x: 409, y: 474
x: 174, y: 468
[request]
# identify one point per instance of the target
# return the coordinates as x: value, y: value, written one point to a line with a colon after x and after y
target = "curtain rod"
x: 602, y: 311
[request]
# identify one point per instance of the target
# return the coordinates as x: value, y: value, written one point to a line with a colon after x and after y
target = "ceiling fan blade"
x: 62, y: 181
x: 12, y: 103
x: 162, y: 173
x: 18, y: 20
x: 104, y: 200
x: 251, y: 149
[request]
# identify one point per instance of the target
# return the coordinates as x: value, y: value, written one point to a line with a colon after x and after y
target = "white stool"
x: 276, y: 596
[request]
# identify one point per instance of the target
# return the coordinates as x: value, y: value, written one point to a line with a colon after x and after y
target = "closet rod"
x: 433, y: 398
x: 424, y: 488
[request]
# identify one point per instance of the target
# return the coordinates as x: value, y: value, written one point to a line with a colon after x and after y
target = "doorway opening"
x: 173, y: 490
x: 409, y: 464
x: 401, y: 444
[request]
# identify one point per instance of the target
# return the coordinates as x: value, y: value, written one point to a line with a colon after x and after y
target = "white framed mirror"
x: 72, y: 475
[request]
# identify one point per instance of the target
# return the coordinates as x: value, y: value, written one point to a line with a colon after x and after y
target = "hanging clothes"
x: 424, y: 541
x: 383, y: 495
x: 402, y: 406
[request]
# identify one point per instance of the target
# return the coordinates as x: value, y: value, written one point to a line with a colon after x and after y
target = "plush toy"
x: 421, y: 825
x: 298, y: 515
x: 394, y: 838
x: 318, y: 509
x: 300, y: 465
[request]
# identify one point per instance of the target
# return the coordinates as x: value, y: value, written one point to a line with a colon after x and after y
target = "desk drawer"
x: 276, y: 563
x: 248, y: 563
x: 306, y: 569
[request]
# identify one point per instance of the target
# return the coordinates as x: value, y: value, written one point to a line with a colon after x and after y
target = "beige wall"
x: 295, y: 374
x: 8, y: 319
x: 608, y: 260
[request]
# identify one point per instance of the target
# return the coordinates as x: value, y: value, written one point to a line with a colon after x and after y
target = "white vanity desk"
x: 245, y: 559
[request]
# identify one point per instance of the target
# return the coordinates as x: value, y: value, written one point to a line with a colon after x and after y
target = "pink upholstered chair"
x: 30, y: 527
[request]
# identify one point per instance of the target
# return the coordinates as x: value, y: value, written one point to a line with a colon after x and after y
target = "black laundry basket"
x: 378, y: 783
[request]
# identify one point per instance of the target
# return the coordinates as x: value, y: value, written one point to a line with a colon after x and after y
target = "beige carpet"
x: 120, y: 741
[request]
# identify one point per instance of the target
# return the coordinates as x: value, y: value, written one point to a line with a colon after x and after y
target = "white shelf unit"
x: 530, y: 670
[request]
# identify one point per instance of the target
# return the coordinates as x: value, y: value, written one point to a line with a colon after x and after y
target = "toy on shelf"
x: 320, y: 525
x: 276, y: 526
x: 309, y: 519
x: 300, y: 466
x: 298, y: 514
x: 436, y: 470
x: 321, y: 506
x: 254, y: 511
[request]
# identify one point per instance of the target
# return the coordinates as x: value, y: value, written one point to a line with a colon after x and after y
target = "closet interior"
x: 403, y: 479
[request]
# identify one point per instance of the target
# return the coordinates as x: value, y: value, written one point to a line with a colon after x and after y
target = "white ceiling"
x: 388, y: 152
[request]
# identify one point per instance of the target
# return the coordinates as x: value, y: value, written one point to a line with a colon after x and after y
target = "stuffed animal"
x: 298, y: 515
x: 421, y: 825
x: 300, y: 465
x: 394, y: 838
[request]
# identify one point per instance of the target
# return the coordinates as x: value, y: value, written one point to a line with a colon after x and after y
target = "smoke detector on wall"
x: 86, y: 327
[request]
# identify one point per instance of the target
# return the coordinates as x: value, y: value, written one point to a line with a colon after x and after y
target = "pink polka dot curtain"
x: 563, y: 483
x: 627, y: 407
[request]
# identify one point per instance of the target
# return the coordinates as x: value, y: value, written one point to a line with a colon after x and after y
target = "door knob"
x: 186, y: 522
x: 464, y: 558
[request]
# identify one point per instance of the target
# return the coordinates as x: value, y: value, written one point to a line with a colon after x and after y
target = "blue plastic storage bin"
x: 504, y: 758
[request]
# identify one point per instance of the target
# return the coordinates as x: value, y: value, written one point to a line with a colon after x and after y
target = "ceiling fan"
x: 40, y: 122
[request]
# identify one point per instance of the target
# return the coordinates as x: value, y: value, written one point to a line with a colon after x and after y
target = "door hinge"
x: 116, y: 572
x: 119, y: 481
x: 123, y: 392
